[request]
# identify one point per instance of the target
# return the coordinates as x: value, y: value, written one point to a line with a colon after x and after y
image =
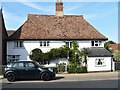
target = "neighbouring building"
x: 3, y: 38
x: 115, y: 47
x: 54, y: 31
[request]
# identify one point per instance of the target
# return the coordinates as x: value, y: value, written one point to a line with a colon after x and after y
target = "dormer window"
x: 18, y: 44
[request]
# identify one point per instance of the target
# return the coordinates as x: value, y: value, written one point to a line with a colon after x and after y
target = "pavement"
x: 76, y: 77
x: 86, y: 80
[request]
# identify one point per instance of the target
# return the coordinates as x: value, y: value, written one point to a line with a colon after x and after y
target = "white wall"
x: 92, y: 67
x: 57, y: 61
x: 86, y: 44
x: 30, y: 45
x: 11, y: 50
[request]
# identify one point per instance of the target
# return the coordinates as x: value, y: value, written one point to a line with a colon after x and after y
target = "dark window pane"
x: 40, y: 43
x: 44, y: 43
x: 21, y: 43
x: 67, y: 44
x: 48, y: 43
x: 96, y: 44
x: 96, y: 41
x: 92, y: 43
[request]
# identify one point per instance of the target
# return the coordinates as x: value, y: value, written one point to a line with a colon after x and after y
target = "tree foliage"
x: 116, y: 55
x: 107, y: 44
x: 36, y: 55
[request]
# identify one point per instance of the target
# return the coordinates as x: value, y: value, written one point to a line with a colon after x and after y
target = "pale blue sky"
x: 102, y: 15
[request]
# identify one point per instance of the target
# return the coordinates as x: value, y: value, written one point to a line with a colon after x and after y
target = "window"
x: 12, y: 58
x: 44, y: 62
x: 18, y: 44
x: 44, y: 43
x: 30, y: 65
x: 47, y: 43
x: 19, y: 65
x: 69, y: 44
x: 92, y: 43
x: 100, y: 62
x: 96, y: 43
x: 40, y: 43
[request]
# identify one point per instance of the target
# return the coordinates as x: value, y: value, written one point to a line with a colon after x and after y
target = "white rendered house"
x: 54, y: 31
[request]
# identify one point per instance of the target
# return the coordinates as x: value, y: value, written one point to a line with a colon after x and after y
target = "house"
x: 115, y: 47
x: 54, y: 31
x: 99, y: 59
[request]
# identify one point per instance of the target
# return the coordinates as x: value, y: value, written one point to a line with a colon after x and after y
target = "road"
x: 91, y: 80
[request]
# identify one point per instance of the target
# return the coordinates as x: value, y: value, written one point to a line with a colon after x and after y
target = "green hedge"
x: 75, y: 69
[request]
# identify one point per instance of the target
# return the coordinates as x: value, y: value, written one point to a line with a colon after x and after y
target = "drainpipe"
x: 111, y: 64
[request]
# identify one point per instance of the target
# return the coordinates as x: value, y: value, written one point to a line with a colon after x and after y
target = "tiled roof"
x: 115, y: 47
x: 54, y: 27
x: 99, y: 52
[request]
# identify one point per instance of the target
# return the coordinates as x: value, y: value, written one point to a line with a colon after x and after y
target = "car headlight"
x: 50, y: 69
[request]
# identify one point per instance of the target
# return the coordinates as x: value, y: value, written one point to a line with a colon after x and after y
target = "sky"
x: 102, y: 15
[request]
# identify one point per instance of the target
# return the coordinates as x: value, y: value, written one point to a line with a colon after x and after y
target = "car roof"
x: 24, y: 61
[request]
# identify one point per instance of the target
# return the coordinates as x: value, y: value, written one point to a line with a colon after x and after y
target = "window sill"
x: 45, y: 47
x: 18, y: 48
x: 100, y: 65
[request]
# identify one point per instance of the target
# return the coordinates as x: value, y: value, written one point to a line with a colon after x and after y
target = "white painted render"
x: 91, y: 66
x: 30, y: 45
x: 53, y: 63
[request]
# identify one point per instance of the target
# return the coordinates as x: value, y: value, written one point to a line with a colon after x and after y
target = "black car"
x: 28, y: 70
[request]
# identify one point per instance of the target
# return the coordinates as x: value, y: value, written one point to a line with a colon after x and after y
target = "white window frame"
x: 98, y: 43
x: 18, y: 44
x: 44, y: 43
x: 102, y: 61
x: 69, y: 44
x: 12, y: 58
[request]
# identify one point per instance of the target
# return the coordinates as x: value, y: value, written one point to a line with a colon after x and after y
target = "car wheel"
x: 11, y: 77
x: 45, y: 76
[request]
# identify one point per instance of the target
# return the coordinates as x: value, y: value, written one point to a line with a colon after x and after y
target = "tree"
x: 107, y: 44
x: 36, y: 55
x: 83, y: 53
x: 116, y: 55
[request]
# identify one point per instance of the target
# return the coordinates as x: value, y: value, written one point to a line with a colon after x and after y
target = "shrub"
x: 75, y: 69
x: 72, y: 68
x: 61, y: 67
x: 81, y: 70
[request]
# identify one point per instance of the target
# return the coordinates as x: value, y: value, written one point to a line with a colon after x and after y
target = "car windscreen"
x: 38, y: 64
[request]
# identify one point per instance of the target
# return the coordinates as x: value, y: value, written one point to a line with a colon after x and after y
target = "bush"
x: 72, y: 69
x: 55, y: 69
x: 61, y: 67
x: 81, y: 70
x: 75, y: 69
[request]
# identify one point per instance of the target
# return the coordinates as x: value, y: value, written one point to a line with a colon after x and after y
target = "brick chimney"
x: 59, y: 8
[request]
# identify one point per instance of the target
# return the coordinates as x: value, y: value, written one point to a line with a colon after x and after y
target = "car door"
x: 19, y: 69
x: 32, y: 70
